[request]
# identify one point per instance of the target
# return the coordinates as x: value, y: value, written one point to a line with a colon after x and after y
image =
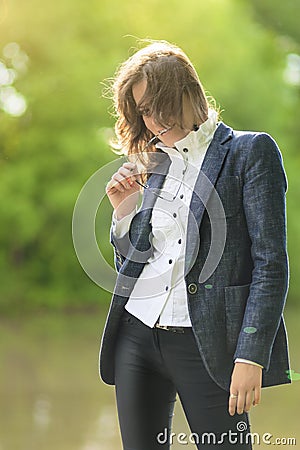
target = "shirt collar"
x: 195, y: 141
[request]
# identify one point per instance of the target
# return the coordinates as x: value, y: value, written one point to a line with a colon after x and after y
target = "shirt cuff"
x: 248, y: 362
x: 121, y: 227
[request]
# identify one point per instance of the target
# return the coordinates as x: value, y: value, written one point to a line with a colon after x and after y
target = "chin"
x: 168, y: 143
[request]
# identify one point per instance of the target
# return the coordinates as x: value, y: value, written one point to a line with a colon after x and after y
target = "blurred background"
x: 54, y: 128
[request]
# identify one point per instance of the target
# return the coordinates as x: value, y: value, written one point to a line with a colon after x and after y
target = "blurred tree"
x: 282, y: 17
x: 51, y: 149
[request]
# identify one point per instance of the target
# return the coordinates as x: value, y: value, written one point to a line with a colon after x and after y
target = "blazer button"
x: 192, y: 288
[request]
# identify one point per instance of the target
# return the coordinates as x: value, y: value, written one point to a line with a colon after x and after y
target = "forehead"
x: 138, y: 90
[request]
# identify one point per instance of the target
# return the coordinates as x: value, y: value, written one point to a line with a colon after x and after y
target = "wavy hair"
x: 171, y: 80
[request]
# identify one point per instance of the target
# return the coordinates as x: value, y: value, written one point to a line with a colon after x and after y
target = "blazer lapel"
x: 156, y: 180
x: 211, y: 167
x: 143, y: 216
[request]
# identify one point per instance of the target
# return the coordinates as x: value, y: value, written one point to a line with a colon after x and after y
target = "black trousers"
x: 152, y: 365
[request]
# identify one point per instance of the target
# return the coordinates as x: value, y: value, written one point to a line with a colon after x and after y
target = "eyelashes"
x: 143, y: 111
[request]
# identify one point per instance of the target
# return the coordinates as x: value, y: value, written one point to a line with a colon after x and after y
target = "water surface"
x: 51, y: 397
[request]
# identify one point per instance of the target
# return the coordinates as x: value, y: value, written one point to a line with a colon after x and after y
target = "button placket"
x: 175, y: 172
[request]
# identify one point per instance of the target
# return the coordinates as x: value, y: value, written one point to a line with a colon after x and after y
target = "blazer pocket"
x: 235, y: 304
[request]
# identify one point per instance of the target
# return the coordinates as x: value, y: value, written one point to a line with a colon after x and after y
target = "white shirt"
x: 159, y: 293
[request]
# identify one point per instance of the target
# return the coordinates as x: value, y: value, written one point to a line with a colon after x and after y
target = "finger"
x: 131, y: 167
x: 121, y: 180
x: 113, y: 187
x: 130, y: 178
x: 257, y: 396
x: 248, y: 402
x: 232, y: 404
x: 241, y: 402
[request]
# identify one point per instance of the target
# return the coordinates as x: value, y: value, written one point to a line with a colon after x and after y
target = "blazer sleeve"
x: 119, y: 238
x: 265, y: 186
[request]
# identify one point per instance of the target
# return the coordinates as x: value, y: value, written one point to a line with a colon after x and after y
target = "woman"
x: 202, y: 264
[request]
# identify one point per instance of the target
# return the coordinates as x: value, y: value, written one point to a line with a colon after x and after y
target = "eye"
x: 144, y: 111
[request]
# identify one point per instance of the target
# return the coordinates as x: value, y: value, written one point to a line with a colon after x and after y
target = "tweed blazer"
x: 236, y: 309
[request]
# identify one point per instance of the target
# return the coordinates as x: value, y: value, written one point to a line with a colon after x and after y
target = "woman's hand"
x: 122, y: 190
x: 246, y: 381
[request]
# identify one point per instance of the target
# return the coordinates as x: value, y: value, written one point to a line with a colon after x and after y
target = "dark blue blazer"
x: 236, y: 311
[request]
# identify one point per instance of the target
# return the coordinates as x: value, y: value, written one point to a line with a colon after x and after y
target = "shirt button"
x: 170, y: 261
x: 185, y: 150
x: 179, y: 241
x: 181, y: 196
x: 174, y: 215
x: 192, y: 288
x: 167, y: 287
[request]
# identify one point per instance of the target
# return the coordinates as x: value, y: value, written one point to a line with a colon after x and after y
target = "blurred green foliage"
x: 49, y: 152
x: 281, y: 17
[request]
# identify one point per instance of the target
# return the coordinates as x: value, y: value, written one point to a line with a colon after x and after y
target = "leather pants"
x: 153, y: 365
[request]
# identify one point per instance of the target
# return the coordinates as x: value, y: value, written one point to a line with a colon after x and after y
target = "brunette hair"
x: 171, y: 79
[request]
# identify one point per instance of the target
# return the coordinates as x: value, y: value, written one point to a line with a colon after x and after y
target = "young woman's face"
x: 175, y: 133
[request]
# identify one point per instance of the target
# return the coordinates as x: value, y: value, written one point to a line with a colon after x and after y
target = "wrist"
x: 119, y: 215
x: 247, y: 361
